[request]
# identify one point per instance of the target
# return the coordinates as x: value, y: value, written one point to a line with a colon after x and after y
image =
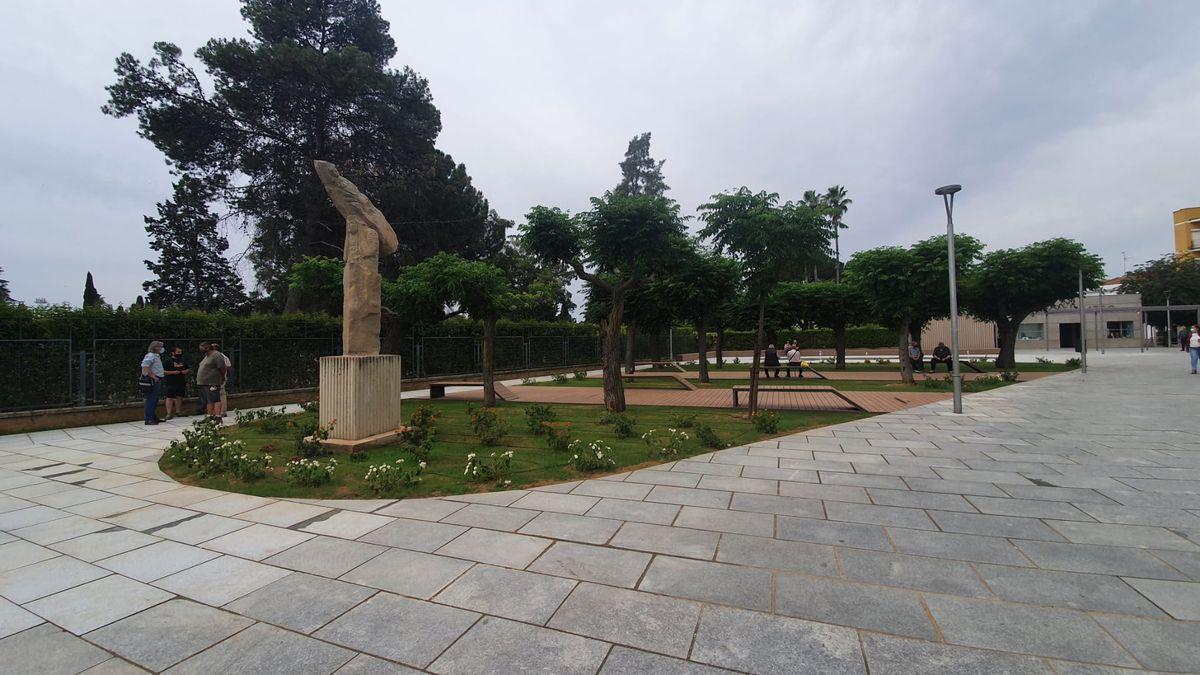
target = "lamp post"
x: 1168, y: 340
x: 1082, y: 329
x: 946, y: 192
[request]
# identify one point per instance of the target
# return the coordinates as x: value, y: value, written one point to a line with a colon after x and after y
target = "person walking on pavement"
x: 1183, y: 338
x: 1194, y: 348
x: 210, y: 376
x: 152, y: 372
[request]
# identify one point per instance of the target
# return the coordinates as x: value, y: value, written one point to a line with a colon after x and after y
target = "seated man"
x: 941, y: 354
x: 916, y: 357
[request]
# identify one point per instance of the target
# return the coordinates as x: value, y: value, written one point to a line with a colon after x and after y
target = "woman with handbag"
x: 151, y: 380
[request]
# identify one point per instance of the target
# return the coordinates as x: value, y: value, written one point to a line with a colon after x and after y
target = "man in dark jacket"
x: 1183, y: 338
x: 771, y: 360
x: 941, y: 354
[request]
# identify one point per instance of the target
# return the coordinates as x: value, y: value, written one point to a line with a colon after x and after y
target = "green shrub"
x: 310, y: 472
x: 766, y: 422
x: 1073, y: 362
x: 313, y: 406
x: 558, y: 435
x: 560, y: 378
x: 421, y: 426
x: 487, y: 424
x: 594, y: 456
x: 665, y: 442
x: 623, y: 425
x: 309, y: 437
x: 537, y: 415
x: 491, y: 468
x: 1009, y: 375
x: 204, y: 449
x: 709, y: 438
x: 269, y: 420
x: 580, y: 374
x: 388, y: 479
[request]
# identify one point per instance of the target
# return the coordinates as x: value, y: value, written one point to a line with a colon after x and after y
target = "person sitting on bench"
x: 916, y: 357
x: 771, y: 361
x: 795, y: 360
x: 941, y: 354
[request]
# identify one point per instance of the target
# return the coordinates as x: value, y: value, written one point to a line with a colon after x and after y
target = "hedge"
x: 857, y: 337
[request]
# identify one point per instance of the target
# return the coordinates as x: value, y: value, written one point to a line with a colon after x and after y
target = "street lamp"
x: 946, y: 192
x: 1167, y: 342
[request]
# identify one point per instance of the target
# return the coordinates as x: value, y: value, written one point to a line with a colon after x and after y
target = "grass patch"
x: 533, y: 462
x: 808, y: 381
x: 986, y: 366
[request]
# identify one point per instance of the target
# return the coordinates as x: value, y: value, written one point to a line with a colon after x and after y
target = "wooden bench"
x: 810, y: 390
x: 438, y: 389
x: 810, y: 369
x: 660, y: 364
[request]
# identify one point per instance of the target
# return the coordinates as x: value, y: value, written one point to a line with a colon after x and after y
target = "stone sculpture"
x: 368, y: 234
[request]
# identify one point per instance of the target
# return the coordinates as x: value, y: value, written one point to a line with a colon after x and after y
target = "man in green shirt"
x: 210, y: 377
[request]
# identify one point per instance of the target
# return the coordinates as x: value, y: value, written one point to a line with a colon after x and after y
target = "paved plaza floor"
x: 1055, y: 527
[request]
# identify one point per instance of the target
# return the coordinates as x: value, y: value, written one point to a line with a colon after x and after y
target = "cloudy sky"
x: 1068, y: 118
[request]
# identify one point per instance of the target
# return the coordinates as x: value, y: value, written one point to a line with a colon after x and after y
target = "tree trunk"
x: 906, y: 371
x: 630, y: 345
x: 758, y: 346
x: 489, y: 362
x: 702, y: 349
x: 719, y: 347
x: 614, y: 390
x: 837, y: 257
x: 1007, y: 358
x: 839, y: 346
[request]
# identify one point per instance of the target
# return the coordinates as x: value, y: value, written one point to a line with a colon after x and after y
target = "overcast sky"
x: 1068, y: 118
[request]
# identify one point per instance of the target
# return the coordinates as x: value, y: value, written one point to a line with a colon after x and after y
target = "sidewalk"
x: 1055, y: 527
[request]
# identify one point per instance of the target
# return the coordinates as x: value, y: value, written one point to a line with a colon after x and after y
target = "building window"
x: 1195, y: 238
x: 1031, y: 331
x: 1120, y: 329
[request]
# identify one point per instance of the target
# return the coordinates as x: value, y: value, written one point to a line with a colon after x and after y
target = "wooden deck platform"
x: 869, y: 375
x: 871, y: 401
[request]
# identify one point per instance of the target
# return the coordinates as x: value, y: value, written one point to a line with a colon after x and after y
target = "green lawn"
x: 986, y: 366
x: 533, y: 462
x: 666, y: 382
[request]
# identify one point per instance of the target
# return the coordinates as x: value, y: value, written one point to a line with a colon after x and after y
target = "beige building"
x: 1112, y: 320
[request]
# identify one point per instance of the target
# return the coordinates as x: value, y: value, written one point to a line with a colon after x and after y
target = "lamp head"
x: 947, y: 190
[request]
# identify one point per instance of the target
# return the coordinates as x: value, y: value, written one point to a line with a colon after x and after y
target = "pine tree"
x: 5, y: 295
x: 91, y: 297
x: 640, y: 174
x: 191, y: 271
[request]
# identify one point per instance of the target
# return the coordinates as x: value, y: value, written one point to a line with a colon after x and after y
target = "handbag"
x: 145, y: 385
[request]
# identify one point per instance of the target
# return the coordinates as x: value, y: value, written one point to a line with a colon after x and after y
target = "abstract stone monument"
x: 360, y: 390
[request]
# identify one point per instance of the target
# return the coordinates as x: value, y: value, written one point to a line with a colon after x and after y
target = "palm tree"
x: 816, y: 202
x: 837, y: 203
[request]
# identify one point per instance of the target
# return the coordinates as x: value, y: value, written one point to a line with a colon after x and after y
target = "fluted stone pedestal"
x: 362, y: 393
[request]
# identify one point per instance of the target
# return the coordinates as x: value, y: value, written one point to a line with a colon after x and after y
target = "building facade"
x: 1187, y: 232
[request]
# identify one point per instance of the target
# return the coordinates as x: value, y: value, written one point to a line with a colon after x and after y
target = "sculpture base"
x: 344, y: 447
x: 360, y: 396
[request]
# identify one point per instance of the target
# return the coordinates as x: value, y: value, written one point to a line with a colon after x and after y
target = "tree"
x: 624, y: 240
x: 640, y: 174
x: 91, y: 297
x: 1010, y: 284
x: 311, y: 82
x: 544, y: 285
x: 704, y: 283
x: 827, y: 304
x: 317, y: 282
x: 837, y: 203
x: 1154, y: 279
x: 904, y: 289
x: 5, y: 295
x: 773, y: 242
x: 191, y: 271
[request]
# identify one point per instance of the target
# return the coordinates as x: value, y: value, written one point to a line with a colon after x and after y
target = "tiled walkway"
x: 1054, y: 528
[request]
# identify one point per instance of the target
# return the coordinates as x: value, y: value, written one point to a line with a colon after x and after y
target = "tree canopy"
x: 1155, y: 278
x: 824, y: 303
x: 640, y: 173
x: 91, y: 296
x: 5, y: 295
x: 310, y: 82
x: 191, y: 271
x: 1010, y: 284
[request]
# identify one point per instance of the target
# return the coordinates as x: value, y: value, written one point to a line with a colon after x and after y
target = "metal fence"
x: 56, y: 373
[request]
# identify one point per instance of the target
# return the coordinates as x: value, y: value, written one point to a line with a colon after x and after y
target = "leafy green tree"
x: 827, y: 304
x: 545, y: 285
x: 1154, y: 279
x: 616, y: 247
x: 5, y: 295
x: 905, y: 289
x: 310, y: 82
x: 1010, y: 284
x: 640, y: 173
x: 91, y: 297
x: 191, y: 271
x: 837, y: 203
x: 699, y: 290
x: 317, y: 282
x: 772, y: 242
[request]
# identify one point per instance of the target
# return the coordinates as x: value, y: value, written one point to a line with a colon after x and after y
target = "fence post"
x: 82, y: 378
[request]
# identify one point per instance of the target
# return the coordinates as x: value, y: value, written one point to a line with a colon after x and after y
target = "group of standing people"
x: 168, y: 376
x: 791, y: 356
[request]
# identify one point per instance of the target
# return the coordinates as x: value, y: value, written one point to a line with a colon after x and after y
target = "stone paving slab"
x: 1054, y: 526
